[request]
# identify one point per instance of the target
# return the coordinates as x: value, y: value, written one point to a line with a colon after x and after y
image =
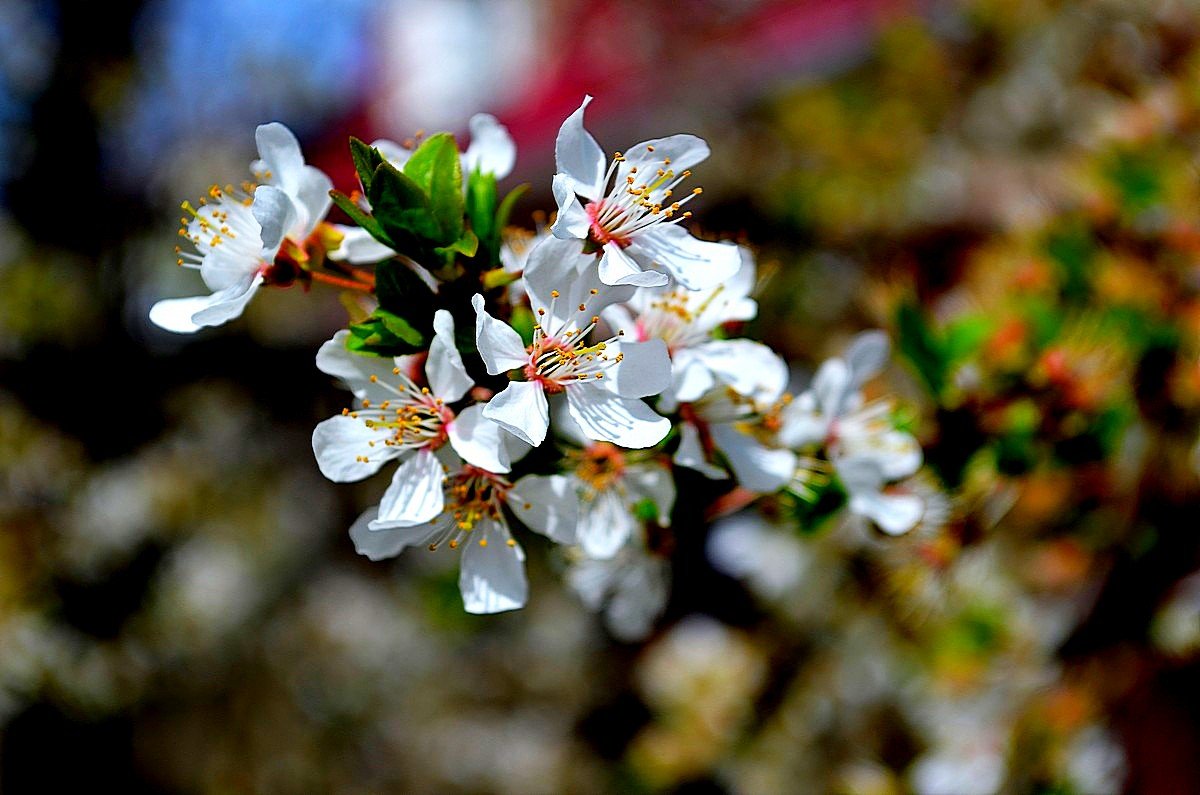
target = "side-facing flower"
x: 238, y: 236
x: 685, y: 320
x: 866, y: 450
x: 491, y: 151
x: 603, y: 380
x: 398, y: 419
x: 630, y: 210
x: 492, y: 570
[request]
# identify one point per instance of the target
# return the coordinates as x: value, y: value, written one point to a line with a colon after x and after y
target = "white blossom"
x: 238, y: 236
x: 398, y: 419
x: 603, y: 380
x: 492, y: 570
x: 866, y: 450
x: 630, y: 209
x: 630, y: 589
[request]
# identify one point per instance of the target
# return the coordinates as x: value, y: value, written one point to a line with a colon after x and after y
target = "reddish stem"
x: 337, y: 281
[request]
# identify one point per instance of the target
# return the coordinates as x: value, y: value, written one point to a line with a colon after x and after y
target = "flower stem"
x: 338, y: 281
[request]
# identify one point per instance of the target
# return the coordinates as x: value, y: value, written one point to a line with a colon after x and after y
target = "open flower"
x: 630, y: 588
x: 866, y: 450
x: 492, y: 571
x: 685, y: 320
x: 631, y: 208
x: 732, y: 424
x: 602, y: 380
x: 398, y: 419
x: 238, y: 236
x: 491, y: 151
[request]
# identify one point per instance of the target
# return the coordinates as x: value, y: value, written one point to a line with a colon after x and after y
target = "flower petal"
x: 571, y: 222
x: 656, y: 483
x: 895, y: 514
x: 579, y: 157
x: 478, y: 440
x: 225, y: 305
x: 358, y: 247
x: 491, y: 149
x: 521, y: 409
x: 639, y: 597
x: 175, y: 314
x: 415, y: 495
x: 338, y: 443
x: 445, y: 369
x: 696, y: 264
x: 606, y: 417
x: 547, y: 504
x: 691, y: 453
x: 499, y: 345
x: 682, y: 151
x: 617, y: 267
x: 866, y: 355
x: 279, y: 156
x: 748, y: 367
x: 832, y: 387
x: 377, y: 545
x: 691, y: 377
x: 275, y: 213
x: 644, y: 369
x: 757, y: 467
x: 492, y: 577
x: 355, y: 370
x: 606, y: 522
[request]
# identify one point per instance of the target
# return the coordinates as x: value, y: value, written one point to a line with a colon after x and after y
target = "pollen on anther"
x: 374, y: 379
x: 512, y: 542
x: 395, y: 371
x: 582, y: 307
x: 483, y: 542
x: 649, y: 148
x: 554, y: 293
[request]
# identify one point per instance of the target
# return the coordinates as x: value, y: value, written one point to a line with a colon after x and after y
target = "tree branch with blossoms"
x: 556, y: 383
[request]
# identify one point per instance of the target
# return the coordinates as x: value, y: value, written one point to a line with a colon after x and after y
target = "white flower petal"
x: 492, y: 577
x: 175, y: 314
x: 832, y: 387
x: 895, y: 514
x: 866, y: 355
x: 748, y: 367
x: 275, y: 213
x: 606, y: 417
x: 415, y: 495
x: 339, y: 441
x: 644, y: 369
x: 521, y: 409
x: 546, y: 504
x: 491, y: 149
x: 606, y: 522
x: 692, y: 378
x: 478, y: 440
x: 444, y: 368
x: 655, y: 483
x: 683, y: 151
x: 225, y: 305
x: 375, y: 546
x: 499, y: 345
x: 617, y: 267
x: 639, y: 598
x: 358, y: 247
x: 578, y: 156
x: 691, y: 453
x: 571, y: 222
x: 757, y: 467
x: 355, y: 370
x: 279, y: 154
x: 696, y: 264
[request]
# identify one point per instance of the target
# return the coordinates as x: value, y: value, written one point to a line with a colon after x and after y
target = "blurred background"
x: 1008, y: 187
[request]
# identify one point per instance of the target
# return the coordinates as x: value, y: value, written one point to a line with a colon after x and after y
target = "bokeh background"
x: 1008, y: 187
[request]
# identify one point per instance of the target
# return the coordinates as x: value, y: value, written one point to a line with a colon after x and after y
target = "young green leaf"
x: 435, y: 169
x: 361, y: 217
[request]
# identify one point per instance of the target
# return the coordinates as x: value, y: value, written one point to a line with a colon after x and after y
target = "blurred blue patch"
x: 215, y: 68
x: 28, y: 44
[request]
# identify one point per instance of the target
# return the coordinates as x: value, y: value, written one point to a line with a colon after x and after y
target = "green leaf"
x: 402, y: 209
x: 466, y: 245
x: 366, y: 159
x: 435, y: 169
x: 385, y: 334
x: 481, y: 211
x: 922, y: 346
x: 400, y: 290
x: 361, y: 217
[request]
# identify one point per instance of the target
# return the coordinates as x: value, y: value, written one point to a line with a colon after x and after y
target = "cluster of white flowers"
x: 627, y: 369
